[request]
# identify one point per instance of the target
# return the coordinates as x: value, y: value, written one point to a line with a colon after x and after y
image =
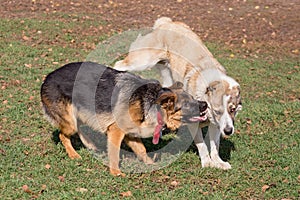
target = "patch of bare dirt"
x: 257, y: 27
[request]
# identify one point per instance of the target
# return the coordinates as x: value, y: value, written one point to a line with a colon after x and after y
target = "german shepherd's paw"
x: 147, y: 160
x: 73, y: 155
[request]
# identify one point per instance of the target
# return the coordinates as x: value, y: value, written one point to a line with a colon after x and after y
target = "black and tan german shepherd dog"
x: 122, y: 105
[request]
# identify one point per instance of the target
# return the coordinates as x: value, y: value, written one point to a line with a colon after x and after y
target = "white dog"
x: 181, y: 56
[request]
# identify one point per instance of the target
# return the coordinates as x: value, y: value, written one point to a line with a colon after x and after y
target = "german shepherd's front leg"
x: 138, y: 148
x: 114, y: 136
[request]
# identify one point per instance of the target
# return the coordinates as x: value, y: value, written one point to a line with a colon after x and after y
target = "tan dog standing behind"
x: 181, y: 56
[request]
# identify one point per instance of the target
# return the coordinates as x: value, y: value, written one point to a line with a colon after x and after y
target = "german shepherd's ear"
x: 167, y: 99
x: 176, y: 85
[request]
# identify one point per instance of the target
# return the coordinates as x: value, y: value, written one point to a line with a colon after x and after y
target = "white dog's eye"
x: 232, y: 110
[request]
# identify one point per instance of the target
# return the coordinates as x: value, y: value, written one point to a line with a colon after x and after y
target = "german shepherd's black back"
x: 95, y: 88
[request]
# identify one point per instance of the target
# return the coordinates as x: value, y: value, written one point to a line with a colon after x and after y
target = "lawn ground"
x: 37, y: 37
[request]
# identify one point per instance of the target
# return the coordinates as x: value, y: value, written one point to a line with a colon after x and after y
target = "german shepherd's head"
x: 180, y: 108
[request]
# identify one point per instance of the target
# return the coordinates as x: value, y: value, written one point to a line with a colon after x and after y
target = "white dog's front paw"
x: 221, y: 165
x: 206, y: 162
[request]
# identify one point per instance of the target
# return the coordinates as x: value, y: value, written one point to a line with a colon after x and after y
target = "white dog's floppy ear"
x: 212, y: 86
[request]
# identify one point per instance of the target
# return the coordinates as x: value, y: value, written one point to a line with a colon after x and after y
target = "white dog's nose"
x: 228, y: 130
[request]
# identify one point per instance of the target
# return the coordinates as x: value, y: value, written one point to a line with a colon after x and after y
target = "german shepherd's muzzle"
x: 120, y: 104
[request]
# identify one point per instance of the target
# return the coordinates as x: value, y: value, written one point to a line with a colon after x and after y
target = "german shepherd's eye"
x: 185, y: 104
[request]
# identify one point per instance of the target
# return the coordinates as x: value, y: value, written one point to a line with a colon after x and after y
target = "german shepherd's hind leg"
x: 68, y: 127
x: 114, y: 139
x: 138, y: 148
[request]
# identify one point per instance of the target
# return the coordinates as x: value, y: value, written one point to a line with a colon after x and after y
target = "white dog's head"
x: 224, y: 102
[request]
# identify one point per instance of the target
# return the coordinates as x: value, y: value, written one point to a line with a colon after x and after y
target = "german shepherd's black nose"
x: 202, y: 106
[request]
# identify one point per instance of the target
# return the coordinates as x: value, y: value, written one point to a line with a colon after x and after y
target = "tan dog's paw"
x: 117, y: 172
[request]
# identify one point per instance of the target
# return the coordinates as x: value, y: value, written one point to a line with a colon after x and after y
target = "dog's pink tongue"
x: 156, y: 134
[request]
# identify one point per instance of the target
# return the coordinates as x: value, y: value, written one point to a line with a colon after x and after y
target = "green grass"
x: 267, y: 140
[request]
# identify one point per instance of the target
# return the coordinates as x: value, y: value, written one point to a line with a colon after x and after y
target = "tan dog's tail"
x: 161, y: 21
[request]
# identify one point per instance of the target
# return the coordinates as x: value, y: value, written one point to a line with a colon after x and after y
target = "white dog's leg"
x: 166, y: 74
x: 214, y: 135
x: 200, y: 143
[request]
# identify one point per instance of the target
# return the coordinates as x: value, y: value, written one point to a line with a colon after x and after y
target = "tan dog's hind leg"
x: 138, y: 148
x: 114, y: 136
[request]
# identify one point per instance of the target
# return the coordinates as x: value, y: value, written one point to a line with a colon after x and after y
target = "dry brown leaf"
x: 25, y: 38
x: 61, y: 178
x: 174, y: 183
x: 285, y: 181
x: 248, y: 121
x: 47, y: 166
x: 3, y: 152
x: 28, y: 65
x: 264, y: 188
x: 26, y: 189
x: 81, y: 189
x: 126, y: 194
x: 43, y: 188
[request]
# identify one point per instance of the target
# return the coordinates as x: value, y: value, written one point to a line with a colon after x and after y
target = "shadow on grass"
x: 226, y: 147
x: 100, y: 141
